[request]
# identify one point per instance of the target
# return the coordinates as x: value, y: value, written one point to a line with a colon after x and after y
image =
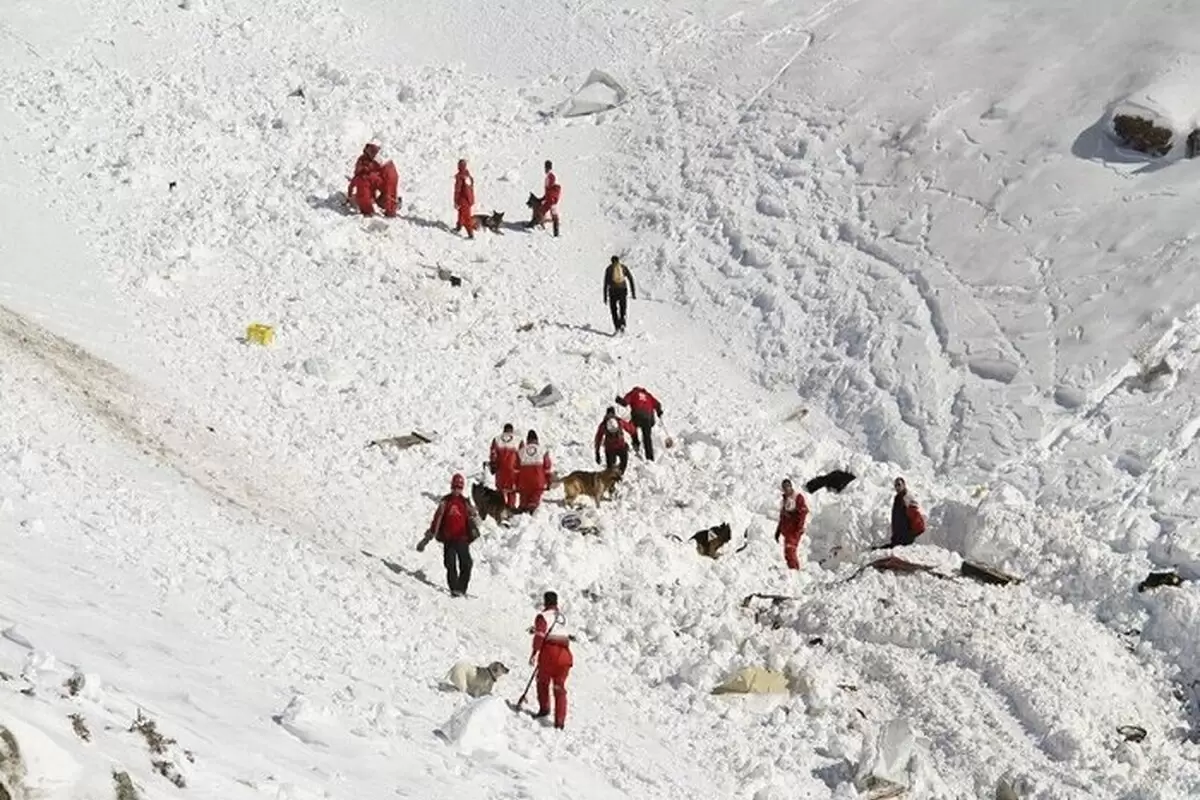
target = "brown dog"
x: 590, y: 484
x: 491, y: 221
x: 710, y: 540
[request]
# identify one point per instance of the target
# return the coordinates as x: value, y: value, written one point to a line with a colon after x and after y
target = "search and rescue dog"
x: 589, y: 484
x: 710, y: 540
x: 475, y: 681
x: 491, y: 221
x: 490, y: 503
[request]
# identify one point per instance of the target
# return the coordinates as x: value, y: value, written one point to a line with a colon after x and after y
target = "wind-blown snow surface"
x: 905, y: 219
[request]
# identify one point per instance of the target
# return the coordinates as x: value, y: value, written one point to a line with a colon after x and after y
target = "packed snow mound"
x: 478, y: 725
x: 600, y: 92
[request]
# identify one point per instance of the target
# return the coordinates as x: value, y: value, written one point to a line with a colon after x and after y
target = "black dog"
x: 710, y: 540
x: 834, y: 481
x: 490, y: 503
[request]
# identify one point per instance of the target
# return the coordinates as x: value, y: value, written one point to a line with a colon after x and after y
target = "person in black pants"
x: 618, y: 284
x: 455, y: 524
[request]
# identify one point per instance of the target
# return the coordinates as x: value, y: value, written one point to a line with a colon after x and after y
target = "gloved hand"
x: 659, y: 412
x: 777, y: 536
x: 597, y: 458
x: 421, y: 545
x: 619, y: 399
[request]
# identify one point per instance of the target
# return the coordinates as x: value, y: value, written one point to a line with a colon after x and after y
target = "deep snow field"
x: 903, y: 218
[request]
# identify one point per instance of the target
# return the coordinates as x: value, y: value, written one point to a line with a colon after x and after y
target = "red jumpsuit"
x: 464, y: 199
x: 372, y: 179
x: 793, y: 511
x: 533, y: 475
x: 552, y: 649
x: 551, y: 194
x: 503, y: 462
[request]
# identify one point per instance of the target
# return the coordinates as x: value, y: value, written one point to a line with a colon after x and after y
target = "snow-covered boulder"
x: 1154, y: 119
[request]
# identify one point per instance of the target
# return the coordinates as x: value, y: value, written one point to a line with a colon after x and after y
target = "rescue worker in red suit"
x: 551, y: 194
x: 455, y: 524
x: 533, y: 473
x: 502, y: 462
x: 793, y: 512
x: 643, y: 409
x: 908, y: 521
x: 464, y: 199
x: 611, y: 433
x: 373, y: 183
x: 552, y: 654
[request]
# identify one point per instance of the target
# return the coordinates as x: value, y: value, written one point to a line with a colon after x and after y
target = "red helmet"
x: 458, y: 481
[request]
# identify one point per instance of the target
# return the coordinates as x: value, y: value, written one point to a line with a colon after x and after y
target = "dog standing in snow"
x: 475, y: 681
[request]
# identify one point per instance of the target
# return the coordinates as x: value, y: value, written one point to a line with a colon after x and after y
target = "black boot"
x: 556, y: 229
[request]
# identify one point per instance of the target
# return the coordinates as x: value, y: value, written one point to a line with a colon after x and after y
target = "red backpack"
x: 916, y: 520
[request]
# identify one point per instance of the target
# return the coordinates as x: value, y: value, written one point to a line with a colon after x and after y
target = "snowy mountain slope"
x: 371, y: 344
x: 979, y: 120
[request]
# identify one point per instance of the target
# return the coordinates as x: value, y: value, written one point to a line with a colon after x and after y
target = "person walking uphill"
x: 908, y: 522
x: 502, y: 462
x: 455, y: 524
x: 793, y: 512
x: 643, y: 408
x: 552, y: 654
x: 373, y: 183
x: 533, y: 473
x: 611, y: 433
x: 618, y: 287
x: 464, y: 199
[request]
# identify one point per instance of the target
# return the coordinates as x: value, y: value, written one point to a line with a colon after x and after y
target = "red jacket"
x: 552, y: 647
x: 464, y: 190
x: 550, y: 181
x: 364, y: 168
x: 638, y: 399
x: 503, y: 459
x: 454, y: 520
x: 793, y: 511
x: 533, y: 470
x: 614, y: 442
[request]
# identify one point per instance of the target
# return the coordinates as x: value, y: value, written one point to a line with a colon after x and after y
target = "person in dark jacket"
x: 643, y: 409
x: 907, y: 520
x: 618, y: 285
x: 455, y: 524
x: 611, y: 434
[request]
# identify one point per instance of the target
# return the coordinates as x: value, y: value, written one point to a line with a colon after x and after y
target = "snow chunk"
x: 600, y: 92
x: 897, y: 758
x: 771, y: 206
x: 478, y: 726
x: 994, y: 369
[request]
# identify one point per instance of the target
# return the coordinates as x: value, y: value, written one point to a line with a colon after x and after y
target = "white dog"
x: 475, y: 681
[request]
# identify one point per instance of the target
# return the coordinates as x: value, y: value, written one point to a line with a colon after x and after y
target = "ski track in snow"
x: 191, y: 515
